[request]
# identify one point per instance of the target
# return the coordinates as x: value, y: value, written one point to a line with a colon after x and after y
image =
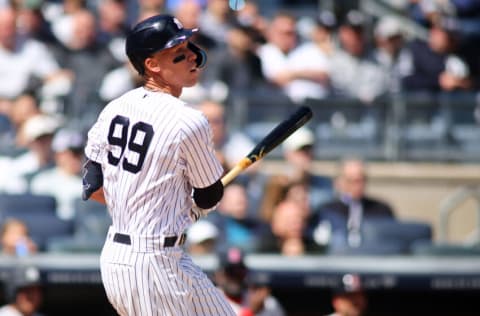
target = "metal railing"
x: 450, y: 204
x: 440, y: 127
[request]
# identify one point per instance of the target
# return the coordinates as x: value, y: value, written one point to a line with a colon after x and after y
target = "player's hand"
x: 197, y: 212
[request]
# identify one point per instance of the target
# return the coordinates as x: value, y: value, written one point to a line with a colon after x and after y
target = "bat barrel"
x: 277, y: 135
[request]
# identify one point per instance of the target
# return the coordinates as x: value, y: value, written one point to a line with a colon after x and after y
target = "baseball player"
x: 151, y: 160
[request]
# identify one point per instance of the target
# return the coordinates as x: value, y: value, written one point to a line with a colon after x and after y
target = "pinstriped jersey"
x: 153, y: 148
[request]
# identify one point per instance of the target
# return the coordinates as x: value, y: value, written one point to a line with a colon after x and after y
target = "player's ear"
x: 152, y: 65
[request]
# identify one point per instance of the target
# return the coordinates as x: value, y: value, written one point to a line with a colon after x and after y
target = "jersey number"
x: 118, y: 136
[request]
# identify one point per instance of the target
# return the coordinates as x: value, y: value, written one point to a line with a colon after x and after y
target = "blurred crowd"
x: 69, y: 55
x: 61, y: 62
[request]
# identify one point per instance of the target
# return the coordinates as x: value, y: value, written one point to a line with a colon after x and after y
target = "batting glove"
x: 196, y: 212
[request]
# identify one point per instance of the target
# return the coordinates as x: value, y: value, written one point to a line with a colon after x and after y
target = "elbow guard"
x: 208, y: 197
x: 92, y: 178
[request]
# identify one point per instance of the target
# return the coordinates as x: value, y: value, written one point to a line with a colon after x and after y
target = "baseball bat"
x: 276, y: 136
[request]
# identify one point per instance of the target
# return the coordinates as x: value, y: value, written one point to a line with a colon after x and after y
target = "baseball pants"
x: 143, y: 278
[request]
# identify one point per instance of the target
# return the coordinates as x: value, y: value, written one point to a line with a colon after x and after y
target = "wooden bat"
x: 276, y: 136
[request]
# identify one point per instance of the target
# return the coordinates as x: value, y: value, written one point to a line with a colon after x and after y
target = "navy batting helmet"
x: 155, y: 34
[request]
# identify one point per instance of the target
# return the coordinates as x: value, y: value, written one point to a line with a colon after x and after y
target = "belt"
x: 169, y: 241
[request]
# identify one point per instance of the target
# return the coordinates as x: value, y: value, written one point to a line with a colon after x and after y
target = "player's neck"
x: 153, y: 86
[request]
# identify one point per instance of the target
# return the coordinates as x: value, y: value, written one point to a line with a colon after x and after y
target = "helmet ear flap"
x: 138, y: 65
x: 201, y: 59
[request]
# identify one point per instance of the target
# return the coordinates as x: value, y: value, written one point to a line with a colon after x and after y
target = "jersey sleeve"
x: 202, y: 166
x: 96, y: 148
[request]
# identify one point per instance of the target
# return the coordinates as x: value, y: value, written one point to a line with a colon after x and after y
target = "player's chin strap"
x: 201, y: 59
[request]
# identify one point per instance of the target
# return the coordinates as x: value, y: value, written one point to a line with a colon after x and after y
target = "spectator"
x: 354, y: 60
x: 232, y: 146
x: 391, y: 52
x: 15, y: 238
x: 338, y: 223
x: 313, y: 60
x: 24, y: 292
x: 272, y: 193
x: 299, y: 153
x: 250, y: 15
x: 236, y: 228
x: 349, y: 298
x: 281, y: 37
x: 216, y: 20
x: 33, y: 24
x: 280, y: 189
x: 23, y: 107
x: 152, y: 6
x: 118, y: 81
x: 189, y: 12
x: 89, y: 61
x: 172, y: 5
x: 246, y: 295
x: 64, y: 180
x: 19, y: 59
x: 235, y: 66
x: 60, y: 16
x: 37, y: 132
x: 439, y: 64
x: 289, y: 225
x: 113, y: 26
x: 124, y: 77
x: 465, y: 12
x: 202, y: 238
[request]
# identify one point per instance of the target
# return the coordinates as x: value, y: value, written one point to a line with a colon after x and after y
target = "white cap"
x: 66, y: 139
x: 39, y: 125
x: 201, y: 231
x: 388, y: 26
x: 302, y: 137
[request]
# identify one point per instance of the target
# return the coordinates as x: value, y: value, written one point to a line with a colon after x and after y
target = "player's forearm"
x: 98, y: 196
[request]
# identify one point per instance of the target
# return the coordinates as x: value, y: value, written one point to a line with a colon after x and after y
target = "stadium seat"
x: 465, y: 128
x: 12, y: 204
x: 394, y: 234
x: 38, y: 212
x: 43, y: 227
x: 91, y: 219
x: 423, y: 128
x: 343, y: 126
x: 90, y: 227
x: 261, y: 112
x: 5, y: 124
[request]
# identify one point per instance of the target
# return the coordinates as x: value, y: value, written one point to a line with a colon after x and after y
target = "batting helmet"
x: 155, y: 34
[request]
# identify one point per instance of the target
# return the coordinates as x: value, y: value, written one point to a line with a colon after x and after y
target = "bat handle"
x: 235, y: 171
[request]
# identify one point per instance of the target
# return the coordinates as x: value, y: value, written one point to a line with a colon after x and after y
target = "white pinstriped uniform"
x: 153, y: 148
